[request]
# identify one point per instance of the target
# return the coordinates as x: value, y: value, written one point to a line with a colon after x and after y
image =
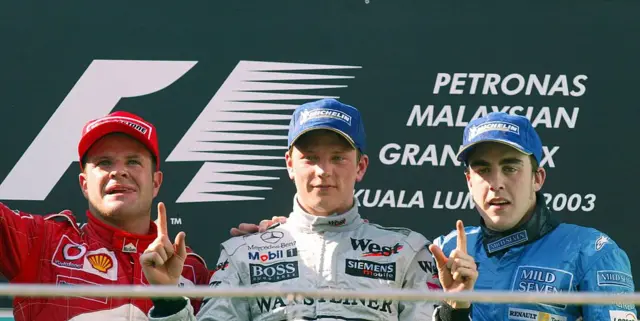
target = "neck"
x: 134, y: 225
x: 339, y: 210
x: 529, y: 213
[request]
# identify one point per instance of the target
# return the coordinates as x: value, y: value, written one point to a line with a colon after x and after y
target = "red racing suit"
x: 53, y: 249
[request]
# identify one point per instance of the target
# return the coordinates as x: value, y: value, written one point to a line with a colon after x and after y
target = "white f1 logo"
x: 245, y: 101
x: 95, y: 94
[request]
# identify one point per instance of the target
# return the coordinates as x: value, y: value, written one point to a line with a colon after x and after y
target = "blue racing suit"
x: 543, y: 255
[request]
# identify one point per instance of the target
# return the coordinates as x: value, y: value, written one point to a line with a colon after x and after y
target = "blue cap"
x: 512, y: 130
x: 328, y: 114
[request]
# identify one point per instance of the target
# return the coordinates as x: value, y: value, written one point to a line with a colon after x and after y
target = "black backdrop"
x: 210, y: 74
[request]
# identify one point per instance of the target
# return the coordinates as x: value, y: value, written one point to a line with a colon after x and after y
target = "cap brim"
x: 464, y: 150
x: 97, y: 133
x: 337, y: 131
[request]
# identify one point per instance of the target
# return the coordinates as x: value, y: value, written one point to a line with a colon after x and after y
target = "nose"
x: 496, y: 182
x: 323, y: 169
x: 119, y: 170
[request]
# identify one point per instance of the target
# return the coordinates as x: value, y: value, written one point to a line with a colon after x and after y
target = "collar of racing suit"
x: 306, y: 222
x: 117, y: 239
x: 538, y: 225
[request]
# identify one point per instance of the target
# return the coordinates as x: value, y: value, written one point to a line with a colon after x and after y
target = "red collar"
x: 120, y: 240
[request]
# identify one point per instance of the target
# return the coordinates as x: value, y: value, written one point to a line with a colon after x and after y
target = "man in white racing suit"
x: 324, y: 244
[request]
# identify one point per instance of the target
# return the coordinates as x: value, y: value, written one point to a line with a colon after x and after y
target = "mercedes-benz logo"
x: 272, y: 236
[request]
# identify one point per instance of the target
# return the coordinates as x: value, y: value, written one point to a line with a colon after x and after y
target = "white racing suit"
x: 311, y: 252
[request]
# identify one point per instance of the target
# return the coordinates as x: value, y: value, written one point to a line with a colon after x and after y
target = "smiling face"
x: 119, y: 178
x: 503, y: 183
x: 325, y: 169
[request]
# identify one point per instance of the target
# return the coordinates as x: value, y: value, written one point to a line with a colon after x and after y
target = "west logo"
x: 373, y: 249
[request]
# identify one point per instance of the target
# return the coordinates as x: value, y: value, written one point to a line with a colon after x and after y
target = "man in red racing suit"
x: 54, y: 249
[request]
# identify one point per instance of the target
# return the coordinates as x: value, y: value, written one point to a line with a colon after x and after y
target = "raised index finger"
x: 462, y: 237
x: 162, y: 220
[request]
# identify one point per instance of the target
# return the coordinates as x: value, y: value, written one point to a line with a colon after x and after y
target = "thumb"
x: 441, y: 259
x: 181, y: 245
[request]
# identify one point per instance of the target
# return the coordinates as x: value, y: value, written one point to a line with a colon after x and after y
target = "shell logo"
x: 100, y: 262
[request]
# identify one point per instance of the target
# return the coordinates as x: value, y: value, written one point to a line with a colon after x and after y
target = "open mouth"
x: 118, y: 190
x: 499, y: 202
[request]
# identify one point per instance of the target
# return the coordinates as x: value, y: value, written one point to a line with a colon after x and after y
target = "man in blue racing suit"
x: 519, y: 245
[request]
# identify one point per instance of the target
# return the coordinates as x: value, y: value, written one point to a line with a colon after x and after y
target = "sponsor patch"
x: 100, y: 262
x: 492, y: 126
x: 269, y: 304
x: 338, y: 222
x: 532, y: 315
x: 275, y: 272
x: 310, y: 114
x: 508, y: 241
x: 372, y: 270
x: 272, y: 236
x: 601, y: 242
x: 143, y: 128
x: 69, y: 254
x: 430, y: 268
x: 63, y: 280
x: 220, y: 267
x: 372, y: 249
x: 615, y: 278
x: 272, y: 246
x: 542, y: 280
x: 292, y: 252
x: 622, y: 315
x: 74, y: 256
x: 267, y: 256
x: 130, y: 247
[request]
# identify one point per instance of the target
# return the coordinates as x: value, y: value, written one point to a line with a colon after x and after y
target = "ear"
x: 467, y: 176
x: 82, y: 180
x: 157, y: 182
x: 363, y: 164
x: 538, y: 178
x: 289, y: 162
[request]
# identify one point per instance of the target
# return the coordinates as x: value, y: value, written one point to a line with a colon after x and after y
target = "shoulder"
x: 64, y: 220
x: 195, y: 258
x: 416, y: 241
x: 233, y: 244
x: 588, y: 239
x: 276, y: 237
x: 592, y: 245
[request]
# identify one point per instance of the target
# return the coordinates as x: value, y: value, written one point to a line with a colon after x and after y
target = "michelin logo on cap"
x: 307, y: 115
x: 491, y: 126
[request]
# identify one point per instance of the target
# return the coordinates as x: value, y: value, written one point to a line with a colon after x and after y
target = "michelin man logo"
x: 223, y: 137
x: 491, y: 126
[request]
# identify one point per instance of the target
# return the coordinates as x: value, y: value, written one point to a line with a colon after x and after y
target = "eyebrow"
x: 313, y: 149
x: 107, y: 156
x: 504, y: 161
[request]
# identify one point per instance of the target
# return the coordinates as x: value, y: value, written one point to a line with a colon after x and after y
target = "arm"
x: 213, y: 309
x: 18, y: 240
x: 423, y: 275
x: 609, y: 272
x: 195, y: 270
